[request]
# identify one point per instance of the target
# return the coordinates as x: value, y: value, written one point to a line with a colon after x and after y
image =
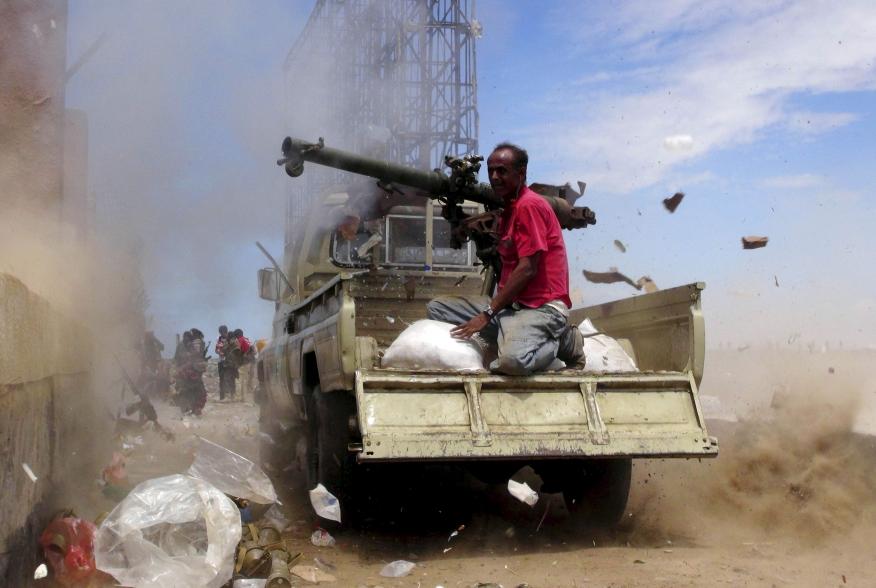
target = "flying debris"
x: 672, y: 202
x: 565, y: 191
x: 647, y: 284
x: 776, y: 279
x: 613, y: 276
x: 754, y: 242
x: 621, y: 247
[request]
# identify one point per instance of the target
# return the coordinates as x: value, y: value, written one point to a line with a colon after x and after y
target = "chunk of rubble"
x: 754, y: 242
x: 673, y: 201
x: 620, y: 246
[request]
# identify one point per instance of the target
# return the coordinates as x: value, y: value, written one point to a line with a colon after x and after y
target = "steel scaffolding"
x: 395, y: 79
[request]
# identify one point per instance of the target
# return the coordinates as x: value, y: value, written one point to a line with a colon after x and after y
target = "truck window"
x: 405, y: 240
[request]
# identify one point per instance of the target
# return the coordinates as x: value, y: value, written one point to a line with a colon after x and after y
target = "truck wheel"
x: 329, y: 461
x: 596, y: 491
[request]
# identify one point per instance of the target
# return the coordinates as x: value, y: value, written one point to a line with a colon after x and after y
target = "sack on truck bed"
x: 603, y: 353
x: 428, y: 345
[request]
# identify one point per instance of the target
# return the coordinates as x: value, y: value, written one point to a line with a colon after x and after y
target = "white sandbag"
x: 428, y: 345
x: 603, y: 353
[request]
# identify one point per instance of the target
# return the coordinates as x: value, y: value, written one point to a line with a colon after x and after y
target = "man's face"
x: 505, y: 178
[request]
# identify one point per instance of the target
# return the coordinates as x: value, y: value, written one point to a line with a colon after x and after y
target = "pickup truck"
x: 332, y: 409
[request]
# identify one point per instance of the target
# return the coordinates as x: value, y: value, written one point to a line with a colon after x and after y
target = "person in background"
x: 226, y: 384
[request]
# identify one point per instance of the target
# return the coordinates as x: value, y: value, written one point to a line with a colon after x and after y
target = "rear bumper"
x: 420, y: 416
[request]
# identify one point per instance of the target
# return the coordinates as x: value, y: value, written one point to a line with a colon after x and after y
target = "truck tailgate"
x: 441, y: 416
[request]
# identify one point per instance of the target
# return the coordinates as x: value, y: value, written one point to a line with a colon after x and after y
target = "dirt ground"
x: 791, y: 500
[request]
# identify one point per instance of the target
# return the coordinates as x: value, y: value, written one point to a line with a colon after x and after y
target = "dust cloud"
x: 791, y: 469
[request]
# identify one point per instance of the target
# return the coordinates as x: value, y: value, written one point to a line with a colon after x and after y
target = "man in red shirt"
x: 528, y: 316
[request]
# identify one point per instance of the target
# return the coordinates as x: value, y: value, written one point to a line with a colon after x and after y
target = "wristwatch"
x: 489, y: 312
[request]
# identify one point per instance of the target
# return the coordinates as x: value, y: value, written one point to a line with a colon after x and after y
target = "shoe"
x: 571, y: 346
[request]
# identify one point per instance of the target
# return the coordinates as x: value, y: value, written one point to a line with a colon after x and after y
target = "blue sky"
x: 775, y: 101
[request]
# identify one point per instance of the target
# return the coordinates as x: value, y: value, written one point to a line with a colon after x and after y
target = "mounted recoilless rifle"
x: 449, y: 190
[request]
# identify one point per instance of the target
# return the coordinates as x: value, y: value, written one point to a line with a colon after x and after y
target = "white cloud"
x: 678, y: 142
x: 725, y: 73
x: 819, y: 122
x: 795, y: 182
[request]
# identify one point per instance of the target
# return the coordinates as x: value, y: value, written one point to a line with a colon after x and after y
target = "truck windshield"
x: 402, y: 243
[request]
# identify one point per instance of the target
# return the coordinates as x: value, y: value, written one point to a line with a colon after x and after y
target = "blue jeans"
x: 527, y: 338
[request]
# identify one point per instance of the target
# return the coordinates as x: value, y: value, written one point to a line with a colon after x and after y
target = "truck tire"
x: 330, y: 462
x: 596, y: 491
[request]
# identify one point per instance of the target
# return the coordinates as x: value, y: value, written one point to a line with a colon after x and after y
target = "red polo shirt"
x: 527, y: 226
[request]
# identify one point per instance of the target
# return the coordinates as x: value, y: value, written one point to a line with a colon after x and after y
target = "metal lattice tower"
x: 394, y: 79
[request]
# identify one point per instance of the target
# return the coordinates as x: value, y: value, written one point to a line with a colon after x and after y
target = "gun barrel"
x: 435, y: 183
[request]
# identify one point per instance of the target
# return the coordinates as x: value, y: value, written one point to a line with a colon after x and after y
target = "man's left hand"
x: 465, y: 331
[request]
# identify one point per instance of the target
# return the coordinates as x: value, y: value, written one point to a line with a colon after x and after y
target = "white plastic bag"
x: 428, y: 345
x: 522, y: 492
x: 397, y: 569
x: 231, y: 473
x: 603, y: 353
x: 325, y: 504
x: 175, y: 531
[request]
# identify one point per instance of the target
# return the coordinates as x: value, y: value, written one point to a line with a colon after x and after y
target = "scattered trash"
x: 29, y: 473
x: 176, y: 527
x: 547, y: 507
x: 621, y: 247
x: 115, y: 478
x: 428, y: 344
x: 754, y: 242
x: 397, y: 569
x: 510, y: 532
x: 446, y: 549
x: 322, y: 538
x: 325, y: 504
x: 231, y: 473
x: 390, y: 319
x: 831, y: 370
x: 312, y: 574
x: 638, y: 561
x: 522, y: 492
x: 41, y: 572
x: 250, y: 583
x: 325, y: 565
x: 68, y: 546
x: 673, y: 201
x: 276, y: 518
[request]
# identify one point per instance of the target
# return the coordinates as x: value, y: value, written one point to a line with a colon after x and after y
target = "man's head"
x: 223, y: 330
x: 187, y: 336
x: 197, y: 334
x: 506, y: 168
x: 238, y: 332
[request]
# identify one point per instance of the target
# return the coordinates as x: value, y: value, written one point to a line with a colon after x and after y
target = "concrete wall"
x: 47, y: 411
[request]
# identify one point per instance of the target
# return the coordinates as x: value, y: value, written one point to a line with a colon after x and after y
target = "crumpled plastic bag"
x: 397, y: 569
x: 428, y: 345
x: 522, y: 492
x: 603, y: 353
x: 231, y: 473
x: 175, y: 531
x: 325, y: 504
